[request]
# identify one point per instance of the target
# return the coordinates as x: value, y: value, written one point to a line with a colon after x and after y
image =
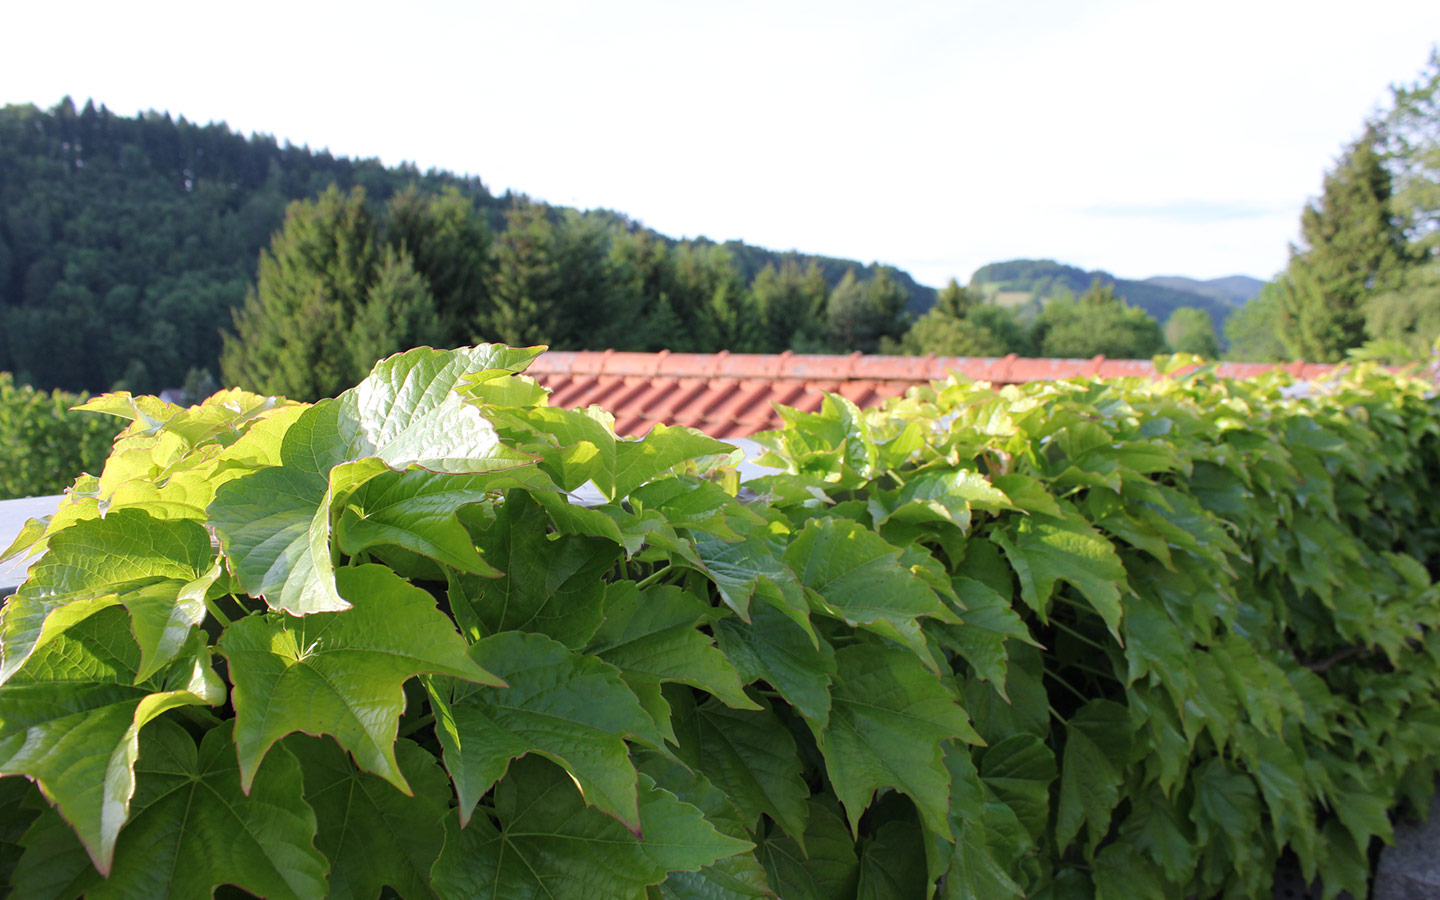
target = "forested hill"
x: 1160, y: 296
x: 126, y: 242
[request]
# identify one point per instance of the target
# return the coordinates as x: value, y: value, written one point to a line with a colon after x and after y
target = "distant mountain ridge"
x: 1011, y: 281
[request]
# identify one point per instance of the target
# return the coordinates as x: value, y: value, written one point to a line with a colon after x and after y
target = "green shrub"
x: 43, y: 445
x: 1074, y: 639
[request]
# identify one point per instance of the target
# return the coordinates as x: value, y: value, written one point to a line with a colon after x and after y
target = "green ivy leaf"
x: 1121, y: 872
x: 1018, y: 771
x: 552, y: 587
x: 574, y: 710
x: 973, y: 871
x: 154, y: 568
x: 416, y: 510
x: 408, y: 413
x: 825, y: 867
x: 651, y: 637
x: 192, y: 830
x: 372, y: 834
x: 546, y: 845
x: 340, y: 673
x: 664, y: 448
x: 72, y: 717
x: 740, y: 875
x: 1045, y: 549
x: 889, y: 717
x: 748, y: 754
x: 892, y: 863
x: 772, y: 647
x: 856, y: 576
x: 1097, y: 753
x: 20, y: 803
x: 274, y: 527
x: 989, y: 622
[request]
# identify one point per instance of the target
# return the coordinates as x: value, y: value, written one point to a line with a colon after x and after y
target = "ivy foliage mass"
x: 43, y: 444
x: 1070, y: 640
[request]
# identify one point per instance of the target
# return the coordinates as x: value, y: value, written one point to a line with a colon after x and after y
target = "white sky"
x: 1143, y: 138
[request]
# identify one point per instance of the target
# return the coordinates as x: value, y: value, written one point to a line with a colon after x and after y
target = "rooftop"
x: 732, y: 395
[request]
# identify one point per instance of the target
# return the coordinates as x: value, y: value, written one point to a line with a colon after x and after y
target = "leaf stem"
x: 654, y: 576
x: 1078, y: 636
x: 416, y: 725
x: 214, y: 609
x: 1068, y: 686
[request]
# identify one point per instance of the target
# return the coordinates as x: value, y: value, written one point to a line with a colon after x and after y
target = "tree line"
x: 1365, y: 277
x: 128, y: 244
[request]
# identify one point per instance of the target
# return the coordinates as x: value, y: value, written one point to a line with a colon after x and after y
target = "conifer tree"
x: 1352, y: 247
x: 290, y: 335
x: 791, y: 304
x: 448, y: 242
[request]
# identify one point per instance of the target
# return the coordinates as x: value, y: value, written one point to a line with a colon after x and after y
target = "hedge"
x: 1067, y: 640
x: 43, y: 445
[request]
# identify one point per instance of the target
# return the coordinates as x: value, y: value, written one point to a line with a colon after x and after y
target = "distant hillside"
x: 1236, y: 290
x: 1019, y: 282
x: 126, y: 242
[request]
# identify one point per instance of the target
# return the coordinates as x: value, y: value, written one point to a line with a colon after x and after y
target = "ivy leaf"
x: 888, y: 719
x: 892, y: 863
x: 1097, y: 753
x: 989, y: 622
x: 856, y: 576
x: 372, y: 834
x: 650, y: 637
x: 572, y: 709
x: 827, y: 868
x: 1045, y: 549
x: 1161, y: 831
x: 750, y: 566
x: 416, y: 510
x: 774, y: 648
x: 274, y: 527
x: 664, y: 448
x: 1019, y: 771
x: 546, y: 845
x: 740, y: 875
x: 340, y: 673
x: 18, y: 808
x: 552, y: 587
x: 1120, y: 872
x: 408, y: 413
x: 748, y: 754
x: 127, y: 558
x: 974, y: 873
x: 192, y: 830
x: 71, y: 720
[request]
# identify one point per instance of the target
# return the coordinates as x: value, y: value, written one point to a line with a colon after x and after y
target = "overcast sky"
x: 1144, y: 138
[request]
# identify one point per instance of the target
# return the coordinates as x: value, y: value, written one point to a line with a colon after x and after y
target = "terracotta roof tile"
x: 732, y: 395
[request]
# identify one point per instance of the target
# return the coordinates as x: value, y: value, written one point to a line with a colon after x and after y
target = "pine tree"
x: 791, y: 304
x: 526, y: 279
x: 291, y: 334
x: 448, y: 242
x: 1352, y: 247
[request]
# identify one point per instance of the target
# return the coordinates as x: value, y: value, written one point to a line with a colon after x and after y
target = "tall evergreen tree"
x: 291, y: 334
x: 448, y: 241
x: 791, y: 304
x: 861, y: 314
x: 1352, y: 246
x: 526, y: 279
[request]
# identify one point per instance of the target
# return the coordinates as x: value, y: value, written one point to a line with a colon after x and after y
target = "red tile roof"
x: 731, y: 395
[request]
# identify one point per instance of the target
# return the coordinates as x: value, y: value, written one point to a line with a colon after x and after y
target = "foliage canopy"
x: 1071, y: 637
